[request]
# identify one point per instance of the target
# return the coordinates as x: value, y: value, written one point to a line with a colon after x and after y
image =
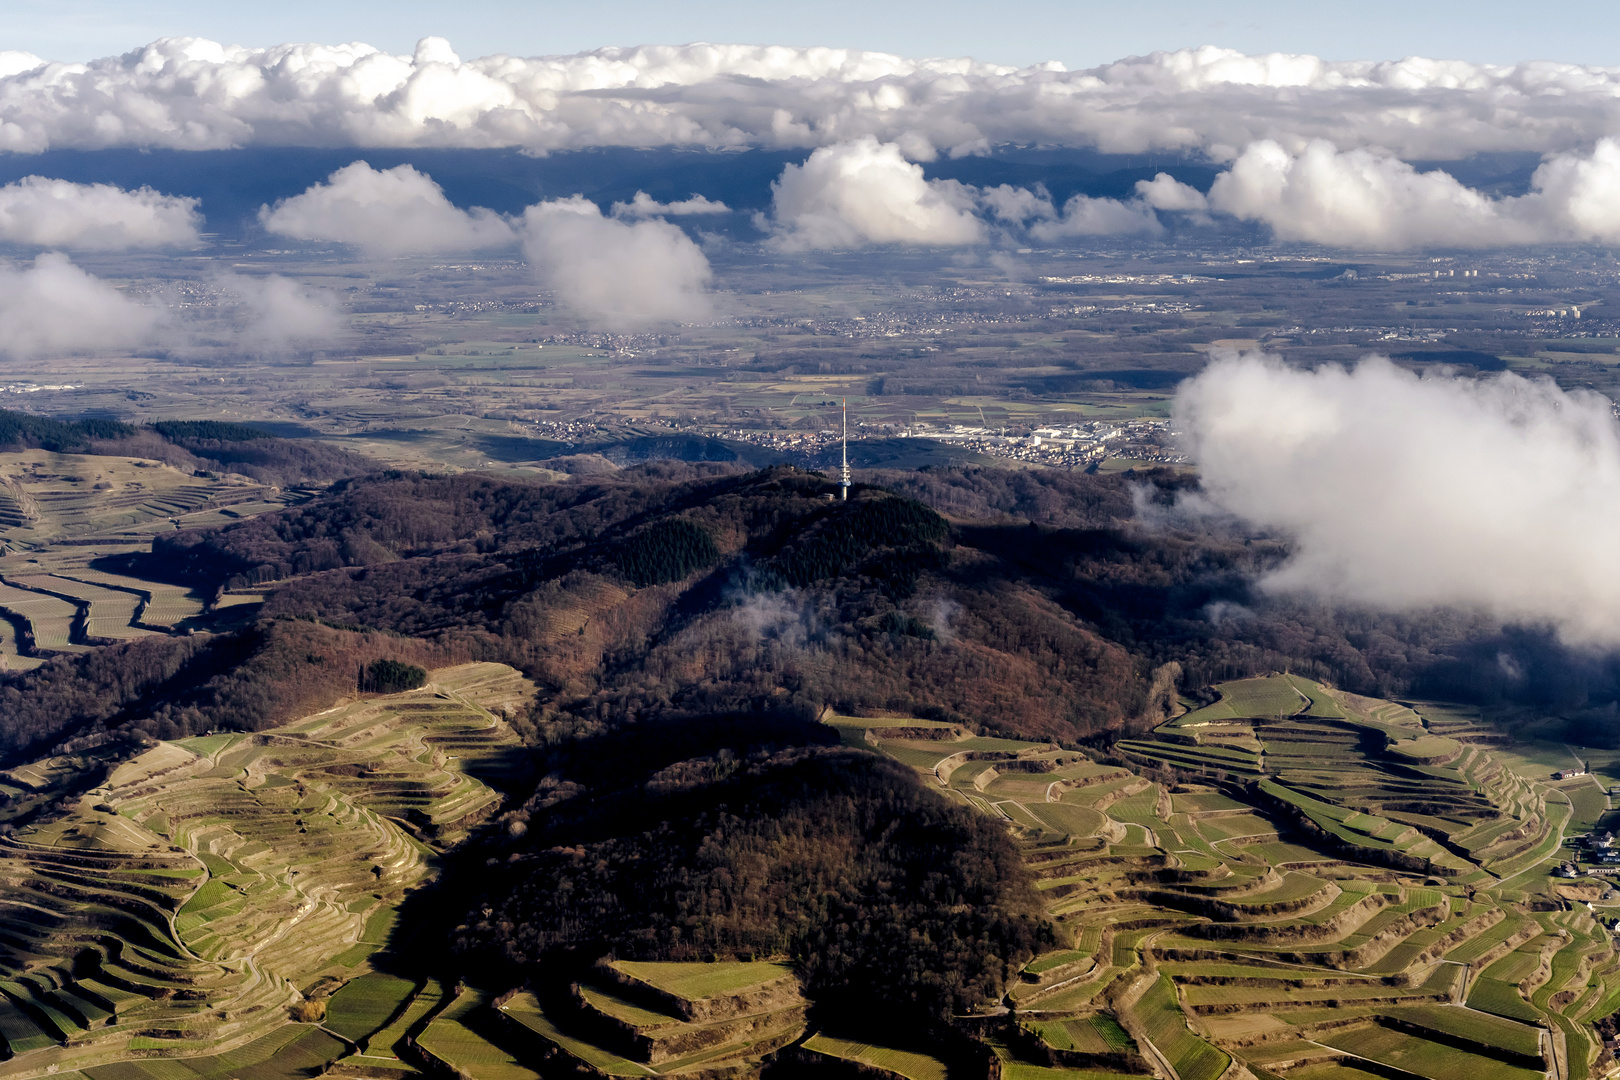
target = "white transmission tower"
x: 843, y: 483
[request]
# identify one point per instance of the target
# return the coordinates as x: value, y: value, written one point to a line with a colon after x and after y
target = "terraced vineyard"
x: 61, y: 604
x: 47, y: 497
x: 659, y: 1019
x: 109, y: 614
x: 1289, y: 882
x: 180, y: 907
x: 59, y: 513
x: 1333, y: 887
x: 48, y: 619
x: 159, y: 606
x: 13, y: 653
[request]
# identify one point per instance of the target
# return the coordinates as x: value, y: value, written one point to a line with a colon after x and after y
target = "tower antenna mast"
x: 843, y: 483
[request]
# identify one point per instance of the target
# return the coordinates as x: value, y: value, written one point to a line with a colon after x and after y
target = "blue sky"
x: 1078, y: 32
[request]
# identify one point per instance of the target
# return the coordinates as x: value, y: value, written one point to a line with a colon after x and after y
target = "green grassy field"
x: 364, y: 1005
x: 908, y: 1063
x: 1426, y: 748
x: 1264, y: 697
x: 1335, y: 1072
x: 1478, y: 1027
x: 1493, y: 996
x: 1049, y: 961
x: 385, y: 1041
x: 1428, y: 1059
x: 293, y: 1052
x: 19, y: 1031
x: 1192, y: 1057
x: 697, y: 981
x: 1590, y: 805
x: 1321, y: 702
x: 450, y: 1038
x: 1018, y: 1070
x: 526, y: 1011
x: 1068, y: 818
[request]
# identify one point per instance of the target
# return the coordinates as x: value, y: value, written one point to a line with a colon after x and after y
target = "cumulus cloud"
x: 394, y: 211
x: 94, y: 217
x: 1360, y: 198
x: 1401, y: 492
x: 52, y: 307
x: 190, y: 93
x: 1579, y: 194
x: 1165, y: 192
x: 619, y: 275
x: 278, y: 313
x: 645, y: 206
x: 15, y: 62
x: 866, y: 192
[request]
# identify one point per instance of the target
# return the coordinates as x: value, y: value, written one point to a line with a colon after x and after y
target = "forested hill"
x: 709, y: 840
x: 680, y: 592
x: 1021, y: 603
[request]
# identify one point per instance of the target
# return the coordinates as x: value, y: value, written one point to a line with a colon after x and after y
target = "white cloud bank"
x: 396, y: 211
x: 616, y: 274
x: 191, y: 93
x: 53, y: 307
x: 1086, y: 216
x: 1501, y: 494
x: 1319, y: 150
x: 94, y: 217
